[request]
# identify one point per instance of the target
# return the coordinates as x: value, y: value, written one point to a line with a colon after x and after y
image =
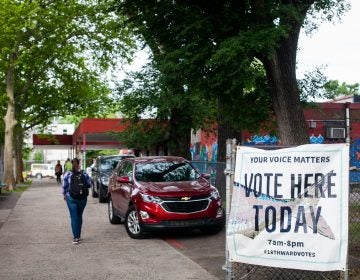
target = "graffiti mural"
x: 355, y: 161
x: 262, y: 140
x: 317, y: 139
x: 204, y: 152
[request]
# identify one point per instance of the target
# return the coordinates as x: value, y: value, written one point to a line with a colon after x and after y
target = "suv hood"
x: 176, y: 188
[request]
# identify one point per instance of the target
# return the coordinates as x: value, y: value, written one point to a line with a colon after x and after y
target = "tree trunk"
x: 179, y: 140
x: 225, y: 131
x: 18, y: 137
x: 10, y: 123
x: 281, y: 72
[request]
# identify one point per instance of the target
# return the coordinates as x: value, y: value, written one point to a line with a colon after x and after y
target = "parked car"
x: 156, y: 193
x: 100, y: 173
x: 40, y: 170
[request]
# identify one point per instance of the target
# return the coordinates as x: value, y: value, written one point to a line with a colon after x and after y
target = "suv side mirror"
x: 124, y: 179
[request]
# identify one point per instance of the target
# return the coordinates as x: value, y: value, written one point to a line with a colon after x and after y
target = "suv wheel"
x: 132, y: 223
x: 93, y: 193
x: 102, y: 195
x: 112, y: 217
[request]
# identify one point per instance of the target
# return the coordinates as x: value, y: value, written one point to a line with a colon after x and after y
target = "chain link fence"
x: 217, y: 175
x: 252, y: 272
x: 242, y: 271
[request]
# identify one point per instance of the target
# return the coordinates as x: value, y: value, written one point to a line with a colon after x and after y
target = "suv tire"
x: 132, y: 223
x: 102, y: 195
x: 93, y: 193
x: 113, y: 219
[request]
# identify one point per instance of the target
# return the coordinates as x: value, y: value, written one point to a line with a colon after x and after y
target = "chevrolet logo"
x: 186, y: 198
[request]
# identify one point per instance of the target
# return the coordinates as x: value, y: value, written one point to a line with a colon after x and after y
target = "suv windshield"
x: 168, y: 171
x: 109, y: 164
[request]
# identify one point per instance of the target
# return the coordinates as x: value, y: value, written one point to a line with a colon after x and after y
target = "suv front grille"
x: 189, y: 206
x: 179, y: 198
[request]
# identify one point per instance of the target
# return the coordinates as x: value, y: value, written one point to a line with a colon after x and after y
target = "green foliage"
x: 62, y: 53
x: 144, y: 134
x: 39, y: 156
x: 18, y: 189
x: 311, y: 87
x: 218, y: 51
x: 139, y: 93
x: 324, y: 10
x: 149, y: 94
x: 334, y: 89
x: 55, y: 57
x: 201, y: 67
x: 26, y: 151
x: 316, y: 86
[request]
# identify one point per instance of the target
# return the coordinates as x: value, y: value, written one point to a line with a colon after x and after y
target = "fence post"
x: 229, y: 173
x: 233, y: 161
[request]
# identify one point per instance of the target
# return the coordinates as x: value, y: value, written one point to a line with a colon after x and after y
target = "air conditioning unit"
x: 312, y: 124
x: 336, y: 132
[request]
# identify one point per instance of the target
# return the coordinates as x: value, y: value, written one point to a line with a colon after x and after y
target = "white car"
x: 40, y: 170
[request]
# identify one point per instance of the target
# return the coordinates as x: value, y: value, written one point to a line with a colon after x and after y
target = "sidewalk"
x: 35, y: 243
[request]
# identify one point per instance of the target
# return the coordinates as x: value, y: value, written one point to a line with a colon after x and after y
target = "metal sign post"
x: 229, y: 174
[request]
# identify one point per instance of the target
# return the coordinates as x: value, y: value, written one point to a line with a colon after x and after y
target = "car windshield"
x: 109, y: 163
x: 166, y: 171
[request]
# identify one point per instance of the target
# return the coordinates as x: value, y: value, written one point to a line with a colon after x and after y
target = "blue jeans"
x: 76, y: 209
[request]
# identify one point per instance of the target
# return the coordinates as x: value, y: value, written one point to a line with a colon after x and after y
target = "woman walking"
x: 75, y: 190
x: 58, y: 172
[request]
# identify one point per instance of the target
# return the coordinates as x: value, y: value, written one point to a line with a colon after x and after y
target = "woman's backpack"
x: 78, y: 188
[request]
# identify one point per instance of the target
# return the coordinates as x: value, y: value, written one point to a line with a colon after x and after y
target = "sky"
x: 335, y: 46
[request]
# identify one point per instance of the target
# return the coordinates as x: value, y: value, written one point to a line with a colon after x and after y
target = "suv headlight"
x: 214, y: 195
x: 150, y: 198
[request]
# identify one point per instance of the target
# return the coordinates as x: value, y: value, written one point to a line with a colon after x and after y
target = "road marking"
x: 175, y: 243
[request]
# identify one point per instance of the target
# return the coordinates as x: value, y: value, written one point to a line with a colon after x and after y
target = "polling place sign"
x: 289, y: 207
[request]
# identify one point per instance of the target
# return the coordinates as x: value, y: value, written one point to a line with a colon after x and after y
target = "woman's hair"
x: 75, y: 165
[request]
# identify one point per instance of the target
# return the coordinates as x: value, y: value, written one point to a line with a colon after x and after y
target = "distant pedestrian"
x: 75, y: 190
x: 58, y: 172
x: 67, y: 166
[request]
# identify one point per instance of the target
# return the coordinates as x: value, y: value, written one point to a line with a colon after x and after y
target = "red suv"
x: 154, y: 193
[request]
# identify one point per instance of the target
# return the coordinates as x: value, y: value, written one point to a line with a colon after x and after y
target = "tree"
x: 334, y: 89
x: 311, y: 87
x: 149, y: 93
x: 204, y: 35
x: 192, y: 91
x: 145, y: 136
x: 51, y: 54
